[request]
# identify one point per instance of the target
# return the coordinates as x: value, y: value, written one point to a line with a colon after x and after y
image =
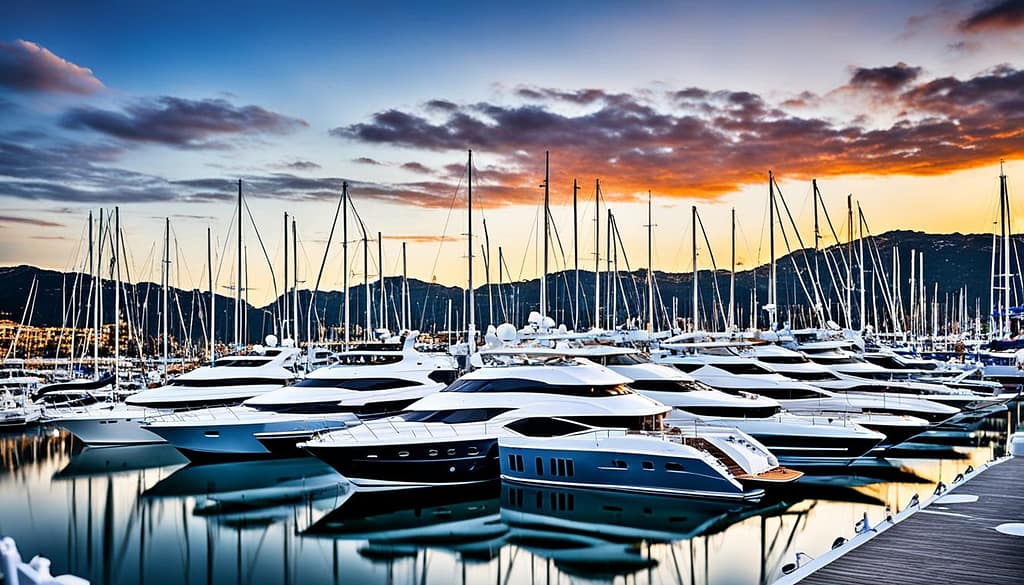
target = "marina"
x: 552, y: 293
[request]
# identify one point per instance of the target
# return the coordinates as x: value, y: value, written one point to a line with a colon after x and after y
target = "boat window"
x: 241, y: 362
x: 545, y: 427
x: 812, y: 376
x: 688, y: 367
x: 668, y: 385
x: 194, y: 383
x: 783, y: 359
x: 733, y: 411
x: 540, y: 466
x: 673, y: 466
x: 624, y: 359
x: 465, y: 415
x: 750, y: 369
x: 357, y: 383
x: 788, y: 393
x: 368, y: 359
x: 561, y: 467
x: 619, y: 464
x: 647, y: 465
x: 551, y: 467
x: 443, y: 376
x: 536, y: 387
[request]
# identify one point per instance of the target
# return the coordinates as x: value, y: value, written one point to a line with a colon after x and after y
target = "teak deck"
x: 946, y: 543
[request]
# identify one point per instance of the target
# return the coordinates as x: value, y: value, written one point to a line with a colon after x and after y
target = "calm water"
x: 141, y: 515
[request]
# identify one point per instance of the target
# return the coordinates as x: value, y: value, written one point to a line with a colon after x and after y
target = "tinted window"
x: 544, y: 427
x: 454, y: 416
x: 668, y: 385
x: 688, y: 367
x: 368, y: 359
x: 537, y: 387
x: 357, y: 383
x: 226, y: 382
x: 626, y: 359
x: 783, y: 359
x: 240, y: 362
x: 743, y: 369
x: 443, y: 376
x: 812, y: 376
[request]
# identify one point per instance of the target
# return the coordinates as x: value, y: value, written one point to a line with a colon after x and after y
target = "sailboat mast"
x: 405, y: 290
x: 849, y: 261
x: 213, y: 298
x: 597, y: 253
x: 693, y: 246
x: 93, y: 266
x: 295, y: 282
x: 368, y: 329
x: 575, y: 258
x: 650, y: 263
x: 772, y: 308
x: 487, y: 274
x: 238, y: 283
x: 344, y: 257
x: 117, y: 297
x: 732, y: 274
x: 544, y: 279
x: 165, y: 279
x: 817, y: 239
x: 99, y: 284
x: 471, y: 323
x: 1004, y: 198
x: 285, y: 312
x: 382, y: 310
x: 860, y: 265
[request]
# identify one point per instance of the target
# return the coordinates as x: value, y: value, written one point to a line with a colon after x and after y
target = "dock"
x: 952, y: 538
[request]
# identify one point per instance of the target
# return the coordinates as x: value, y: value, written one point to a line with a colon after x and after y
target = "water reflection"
x: 141, y: 515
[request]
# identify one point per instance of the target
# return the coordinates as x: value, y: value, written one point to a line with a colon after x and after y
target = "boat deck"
x: 951, y: 541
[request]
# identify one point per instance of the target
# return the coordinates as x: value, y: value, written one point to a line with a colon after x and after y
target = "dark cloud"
x: 180, y: 122
x: 29, y: 221
x: 417, y: 168
x: 301, y: 165
x: 441, y: 105
x: 708, y: 143
x: 581, y: 96
x: 364, y: 160
x: 998, y: 15
x: 885, y: 79
x: 26, y: 66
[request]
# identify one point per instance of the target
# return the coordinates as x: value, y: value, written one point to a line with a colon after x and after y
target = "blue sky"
x: 278, y: 78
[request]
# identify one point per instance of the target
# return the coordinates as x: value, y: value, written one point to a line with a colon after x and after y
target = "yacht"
x: 366, y: 382
x: 726, y: 465
x: 451, y: 437
x: 230, y: 380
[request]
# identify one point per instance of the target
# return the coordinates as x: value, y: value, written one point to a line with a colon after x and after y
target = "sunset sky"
x: 160, y: 107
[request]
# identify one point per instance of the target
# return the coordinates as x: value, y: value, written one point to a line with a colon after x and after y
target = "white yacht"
x: 230, y: 380
x: 451, y: 437
x: 369, y: 381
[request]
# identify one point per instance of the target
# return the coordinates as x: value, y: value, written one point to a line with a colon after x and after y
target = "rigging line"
x: 714, y: 272
x: 838, y: 244
x: 270, y: 265
x: 529, y: 238
x: 440, y: 245
x: 618, y: 279
x: 803, y: 253
x: 796, y: 267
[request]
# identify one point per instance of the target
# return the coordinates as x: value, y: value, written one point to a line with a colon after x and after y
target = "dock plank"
x: 945, y: 543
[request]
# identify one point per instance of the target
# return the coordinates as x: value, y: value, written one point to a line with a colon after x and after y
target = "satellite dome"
x: 506, y: 332
x: 271, y: 340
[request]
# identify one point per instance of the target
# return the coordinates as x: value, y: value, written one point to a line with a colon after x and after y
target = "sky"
x: 159, y: 108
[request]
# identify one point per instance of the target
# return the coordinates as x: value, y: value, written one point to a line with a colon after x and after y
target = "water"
x: 140, y: 515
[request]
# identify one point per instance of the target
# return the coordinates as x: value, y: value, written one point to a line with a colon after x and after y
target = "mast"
x: 693, y: 244
x: 597, y: 253
x: 1004, y: 199
x: 860, y: 265
x: 295, y: 283
x: 732, y: 274
x: 165, y: 278
x: 650, y: 263
x: 405, y: 290
x: 344, y: 256
x: 99, y: 284
x: 238, y: 283
x: 544, y: 279
x: 383, y: 299
x: 368, y: 330
x: 614, y: 272
x: 285, y: 311
x: 213, y: 298
x: 575, y: 258
x: 772, y: 294
x: 817, y: 238
x: 487, y: 274
x: 849, y: 260
x: 95, y: 306
x: 609, y: 241
x: 116, y: 255
x: 471, y: 323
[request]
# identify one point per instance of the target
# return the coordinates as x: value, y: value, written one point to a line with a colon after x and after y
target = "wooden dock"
x: 946, y: 542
